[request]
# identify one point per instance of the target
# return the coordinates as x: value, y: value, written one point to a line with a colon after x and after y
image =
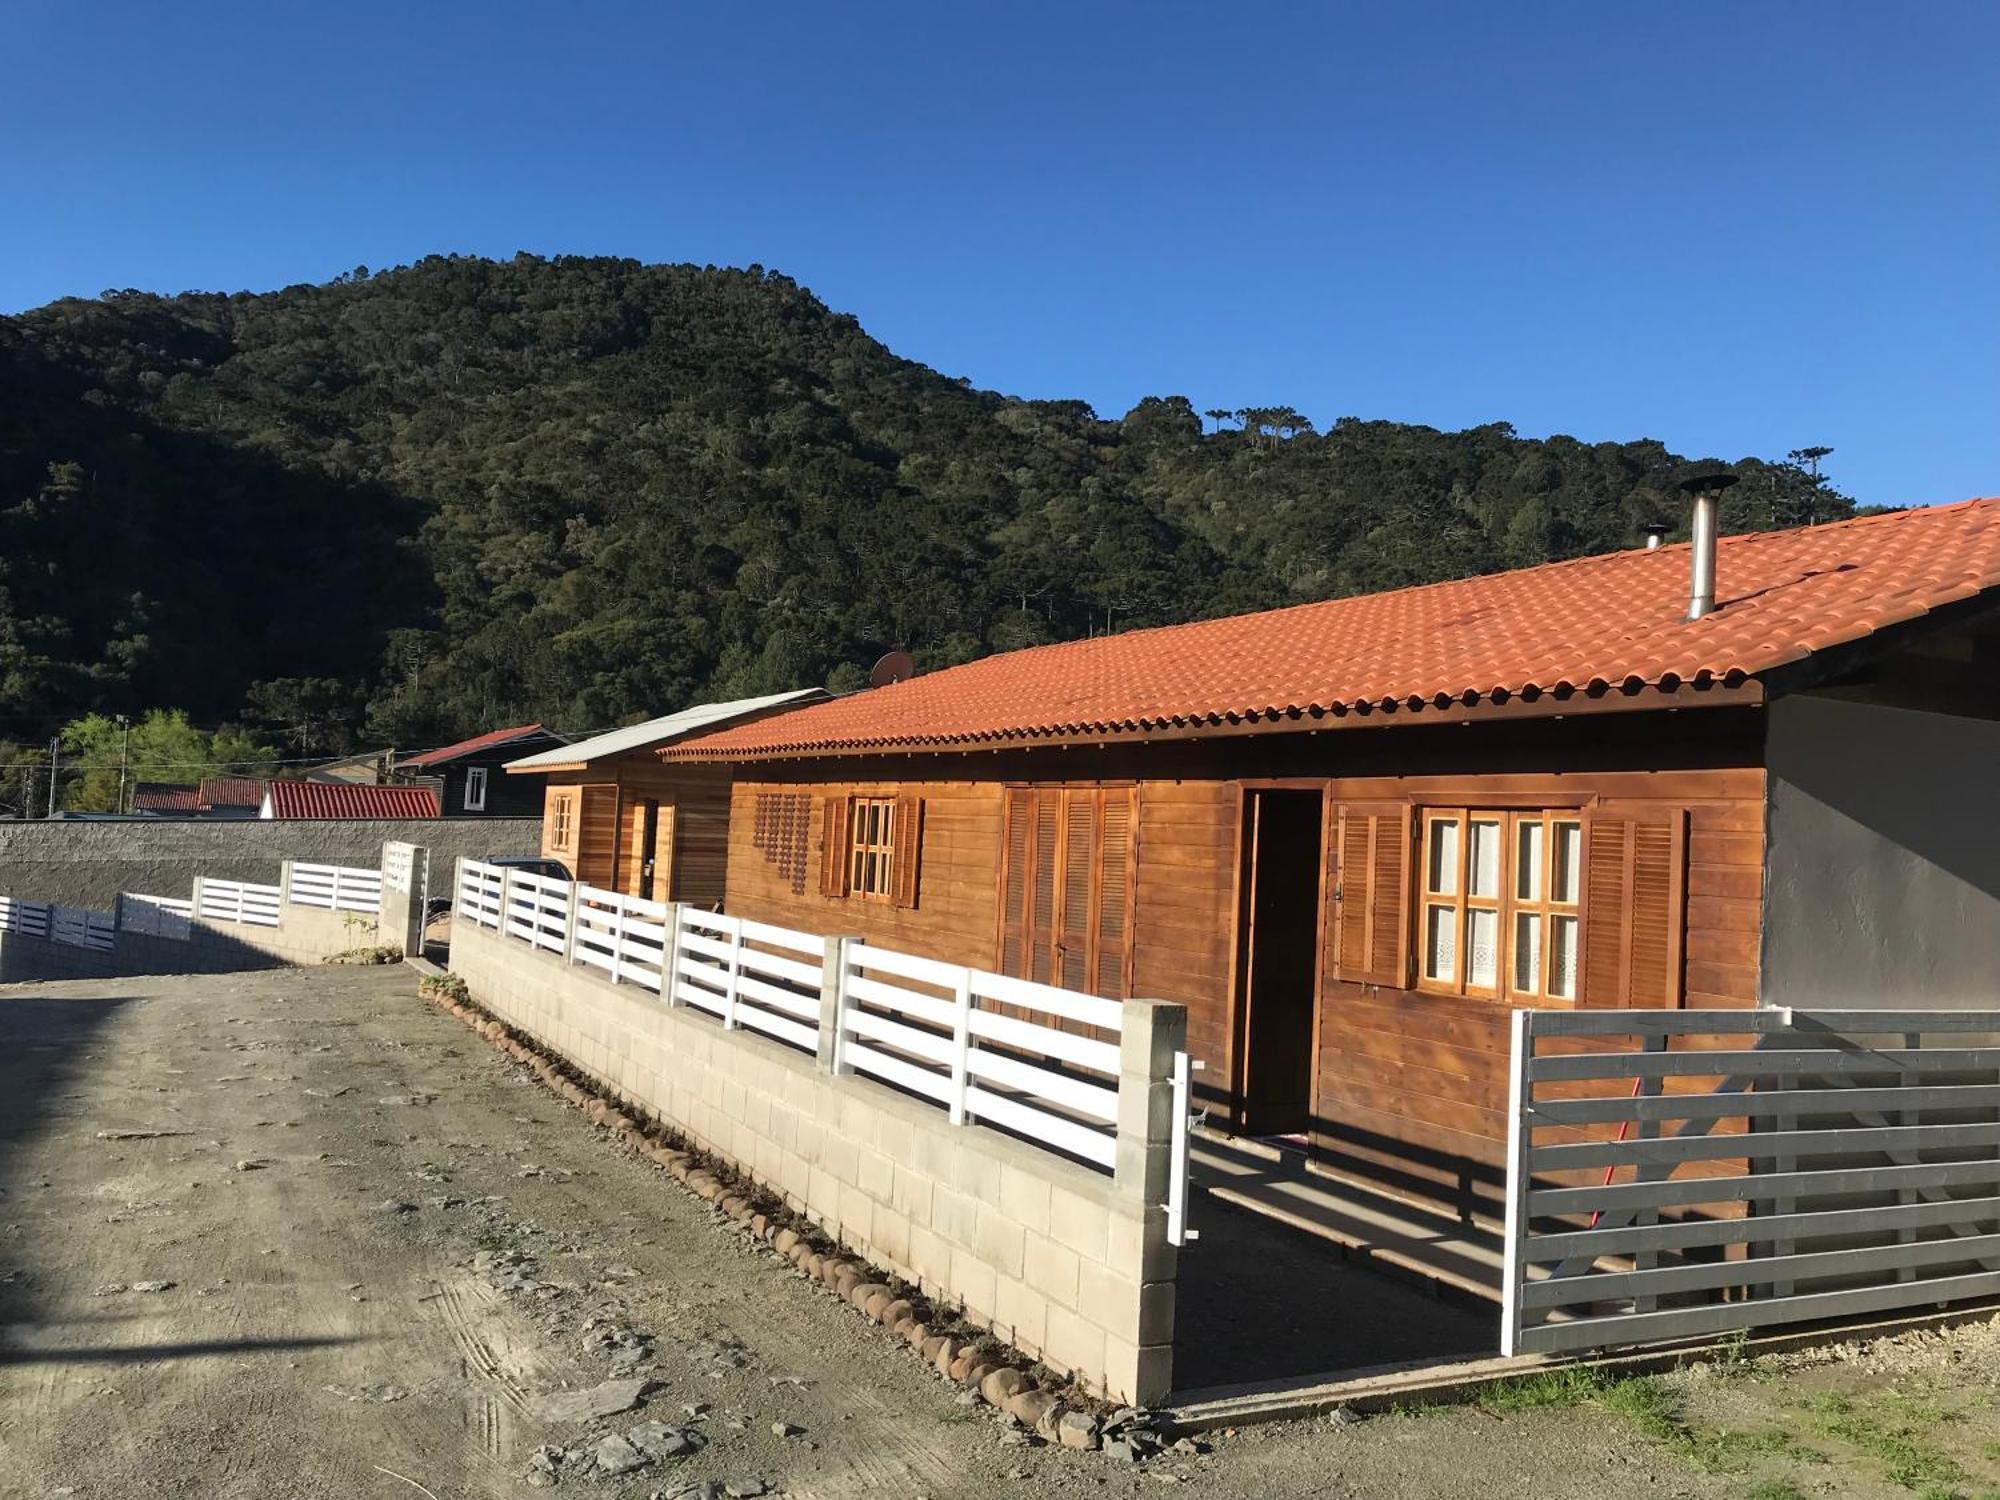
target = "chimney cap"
x: 1707, y: 484
x: 1656, y: 528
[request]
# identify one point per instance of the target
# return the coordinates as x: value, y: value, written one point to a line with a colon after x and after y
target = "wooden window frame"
x: 1504, y: 903
x: 874, y: 881
x: 564, y: 808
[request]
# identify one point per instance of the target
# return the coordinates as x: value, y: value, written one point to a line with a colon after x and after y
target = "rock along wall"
x: 88, y: 863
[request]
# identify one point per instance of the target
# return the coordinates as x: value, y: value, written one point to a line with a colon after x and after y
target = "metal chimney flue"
x: 1656, y: 533
x: 1706, y: 491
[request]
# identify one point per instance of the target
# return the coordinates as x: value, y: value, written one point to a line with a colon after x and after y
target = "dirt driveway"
x: 295, y: 1234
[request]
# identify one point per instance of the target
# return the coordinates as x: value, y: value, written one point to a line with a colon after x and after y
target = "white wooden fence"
x: 154, y: 916
x: 81, y: 927
x: 336, y: 887
x: 238, y: 901
x: 1676, y: 1174
x: 28, y: 918
x: 751, y: 974
x: 1039, y: 1062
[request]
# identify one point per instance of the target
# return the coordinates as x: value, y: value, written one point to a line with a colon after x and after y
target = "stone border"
x: 1054, y: 1409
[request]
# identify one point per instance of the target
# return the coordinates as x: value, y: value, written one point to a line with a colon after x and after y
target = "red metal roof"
x: 1613, y: 621
x: 161, y: 797
x: 492, y: 740
x: 232, y: 791
x: 344, y: 799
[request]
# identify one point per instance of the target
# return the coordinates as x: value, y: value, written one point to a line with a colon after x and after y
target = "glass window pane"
x: 888, y: 824
x: 1528, y: 953
x: 1482, y: 948
x: 1528, y: 860
x: 1483, y: 876
x: 1562, y: 958
x: 1440, y: 942
x: 1568, y: 864
x: 1443, y: 864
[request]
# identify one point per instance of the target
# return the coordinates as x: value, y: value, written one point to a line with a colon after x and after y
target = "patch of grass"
x: 1774, y: 1489
x: 1550, y: 1390
x: 1891, y: 1442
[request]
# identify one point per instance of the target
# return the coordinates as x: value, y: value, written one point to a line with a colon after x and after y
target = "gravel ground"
x: 296, y: 1234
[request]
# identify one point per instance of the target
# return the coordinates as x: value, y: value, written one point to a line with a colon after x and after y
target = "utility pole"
x: 124, y: 758
x: 55, y: 761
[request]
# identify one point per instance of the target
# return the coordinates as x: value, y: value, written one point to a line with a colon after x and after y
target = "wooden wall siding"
x: 1417, y: 1083
x: 1184, y: 923
x: 956, y: 915
x: 694, y: 824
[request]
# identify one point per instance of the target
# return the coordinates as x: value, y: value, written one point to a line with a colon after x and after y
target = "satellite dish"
x: 895, y: 666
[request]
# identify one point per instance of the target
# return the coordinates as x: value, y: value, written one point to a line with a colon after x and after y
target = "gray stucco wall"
x: 1883, y: 858
x: 88, y: 864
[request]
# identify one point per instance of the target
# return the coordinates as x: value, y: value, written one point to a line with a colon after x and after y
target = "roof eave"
x: 1735, y: 691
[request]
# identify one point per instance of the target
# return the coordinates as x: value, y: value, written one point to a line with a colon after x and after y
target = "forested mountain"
x: 463, y: 493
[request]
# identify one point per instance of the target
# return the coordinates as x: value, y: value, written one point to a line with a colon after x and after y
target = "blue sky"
x: 1739, y: 228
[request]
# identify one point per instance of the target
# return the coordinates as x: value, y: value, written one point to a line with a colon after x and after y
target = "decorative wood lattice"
x: 781, y: 832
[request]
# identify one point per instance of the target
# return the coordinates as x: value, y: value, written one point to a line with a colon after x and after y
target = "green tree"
x: 104, y: 756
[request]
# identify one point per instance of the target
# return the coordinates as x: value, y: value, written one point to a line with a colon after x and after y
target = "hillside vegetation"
x: 464, y: 493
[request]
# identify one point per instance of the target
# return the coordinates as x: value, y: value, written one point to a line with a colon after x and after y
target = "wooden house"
x: 618, y: 817
x: 468, y: 776
x: 1352, y: 836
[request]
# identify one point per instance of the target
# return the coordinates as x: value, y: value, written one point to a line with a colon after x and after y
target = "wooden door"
x: 649, y: 860
x: 1066, y: 887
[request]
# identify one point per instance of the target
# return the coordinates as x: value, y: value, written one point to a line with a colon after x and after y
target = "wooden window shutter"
x: 833, y: 846
x: 1079, y: 886
x: 1114, y: 886
x: 1017, y: 818
x: 1634, y: 906
x: 908, y: 832
x: 1043, y: 876
x: 1368, y: 858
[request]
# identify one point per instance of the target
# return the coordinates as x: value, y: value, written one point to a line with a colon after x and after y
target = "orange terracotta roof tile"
x: 1616, y: 621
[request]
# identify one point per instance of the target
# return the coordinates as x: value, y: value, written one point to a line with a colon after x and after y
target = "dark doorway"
x: 1279, y: 931
x: 645, y: 848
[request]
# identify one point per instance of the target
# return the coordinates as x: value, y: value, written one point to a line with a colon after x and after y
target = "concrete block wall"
x: 1069, y: 1266
x: 90, y: 863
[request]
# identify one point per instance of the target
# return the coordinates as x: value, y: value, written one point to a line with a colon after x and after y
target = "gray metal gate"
x: 1673, y: 1174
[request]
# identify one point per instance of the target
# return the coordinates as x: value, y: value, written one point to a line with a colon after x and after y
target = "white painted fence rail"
x: 535, y: 909
x: 154, y: 916
x: 1679, y: 1174
x: 624, y: 936
x: 751, y: 975
x: 238, y: 901
x: 81, y: 927
x: 336, y: 887
x: 478, y: 898
x: 28, y: 918
x: 1039, y: 1062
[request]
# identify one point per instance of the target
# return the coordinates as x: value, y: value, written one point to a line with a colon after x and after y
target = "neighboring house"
x: 1353, y: 836
x: 339, y: 799
x: 159, y: 799
x: 369, y: 768
x: 618, y: 818
x: 468, y: 773
x: 232, y: 796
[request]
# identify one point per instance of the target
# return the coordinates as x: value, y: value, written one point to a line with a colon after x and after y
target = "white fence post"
x: 506, y: 898
x: 1518, y: 1138
x: 832, y: 1001
x: 617, y: 939
x: 670, y: 955
x: 733, y: 975
x: 961, y: 1048
x: 569, y: 928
